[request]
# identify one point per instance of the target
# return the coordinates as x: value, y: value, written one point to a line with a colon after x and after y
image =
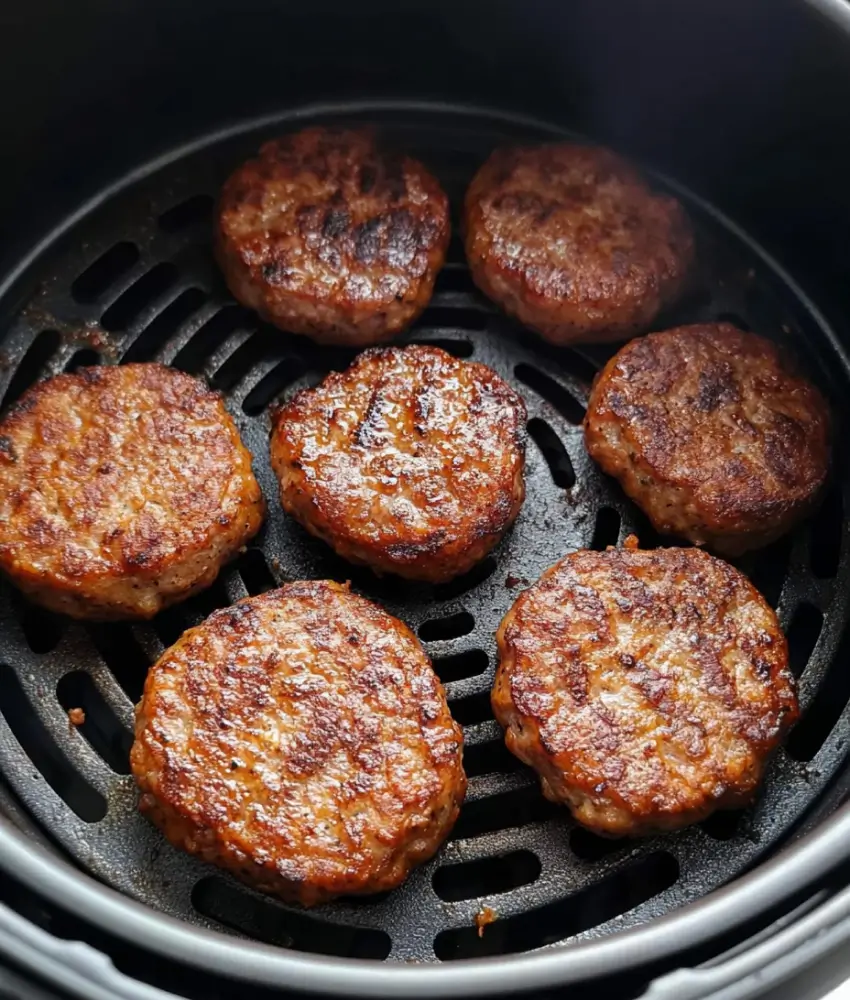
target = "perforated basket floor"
x: 134, y: 280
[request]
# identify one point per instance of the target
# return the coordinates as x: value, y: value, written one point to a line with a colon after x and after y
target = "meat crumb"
x: 76, y: 716
x: 486, y: 915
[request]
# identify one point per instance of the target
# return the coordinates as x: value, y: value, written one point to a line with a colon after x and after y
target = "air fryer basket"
x: 135, y: 281
x: 130, y: 277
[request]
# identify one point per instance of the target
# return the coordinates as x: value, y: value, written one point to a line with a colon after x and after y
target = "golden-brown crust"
x: 646, y: 688
x: 410, y: 461
x: 712, y: 434
x: 571, y: 241
x: 302, y: 741
x: 122, y: 490
x: 326, y: 234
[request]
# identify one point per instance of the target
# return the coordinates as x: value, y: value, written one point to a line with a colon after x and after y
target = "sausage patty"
x: 571, y: 241
x: 327, y: 234
x: 646, y: 688
x: 410, y: 462
x: 712, y: 434
x: 122, y: 490
x: 302, y: 741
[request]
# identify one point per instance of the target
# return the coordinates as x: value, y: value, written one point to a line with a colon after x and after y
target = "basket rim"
x: 250, y: 961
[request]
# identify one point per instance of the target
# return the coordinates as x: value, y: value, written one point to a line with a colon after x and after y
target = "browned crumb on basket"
x: 486, y: 915
x: 76, y: 716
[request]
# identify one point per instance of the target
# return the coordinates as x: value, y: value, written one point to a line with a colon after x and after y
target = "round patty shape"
x: 646, y: 688
x: 328, y: 235
x: 571, y: 241
x: 122, y: 490
x: 302, y: 741
x: 410, y: 462
x: 712, y: 434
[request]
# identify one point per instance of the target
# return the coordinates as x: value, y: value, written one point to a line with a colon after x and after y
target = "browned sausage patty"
x: 571, y: 241
x: 646, y: 688
x: 712, y: 434
x: 410, y: 461
x: 326, y: 234
x: 302, y: 741
x: 122, y: 490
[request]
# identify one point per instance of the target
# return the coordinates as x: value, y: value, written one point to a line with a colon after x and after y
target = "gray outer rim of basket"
x: 837, y: 11
x: 249, y: 961
x: 771, y: 883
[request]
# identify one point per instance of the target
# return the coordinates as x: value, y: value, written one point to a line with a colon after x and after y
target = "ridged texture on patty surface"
x: 646, y: 688
x: 302, y: 741
x: 411, y: 461
x: 326, y: 233
x: 712, y: 433
x: 122, y: 490
x: 571, y: 241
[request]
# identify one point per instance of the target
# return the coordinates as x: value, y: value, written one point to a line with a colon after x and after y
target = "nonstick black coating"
x: 133, y: 279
